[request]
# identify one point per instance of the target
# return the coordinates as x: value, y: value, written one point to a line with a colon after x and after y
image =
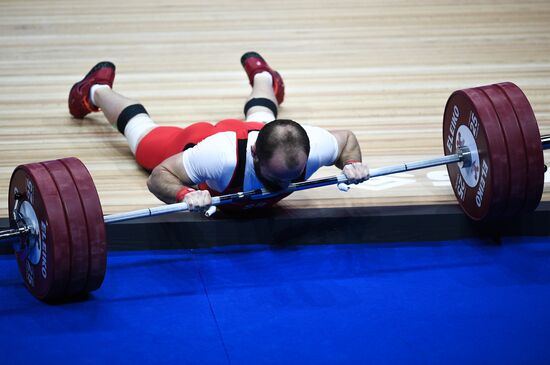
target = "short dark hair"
x: 284, y: 134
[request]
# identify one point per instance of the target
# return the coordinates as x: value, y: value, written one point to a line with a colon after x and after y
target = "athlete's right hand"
x: 198, y: 201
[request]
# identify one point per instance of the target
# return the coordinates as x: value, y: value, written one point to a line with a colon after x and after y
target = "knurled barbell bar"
x: 493, y: 152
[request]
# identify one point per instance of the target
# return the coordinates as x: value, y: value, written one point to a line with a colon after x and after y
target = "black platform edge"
x: 280, y: 226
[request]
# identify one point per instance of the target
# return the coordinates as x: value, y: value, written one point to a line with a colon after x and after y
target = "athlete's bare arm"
x: 168, y: 178
x: 349, y: 157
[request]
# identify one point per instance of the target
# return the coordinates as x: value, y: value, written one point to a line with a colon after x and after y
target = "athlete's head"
x: 280, y: 153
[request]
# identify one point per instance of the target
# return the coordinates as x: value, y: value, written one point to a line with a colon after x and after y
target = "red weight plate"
x: 470, y: 120
x: 94, y: 221
x: 46, y: 278
x: 517, y: 157
x: 531, y: 137
x: 78, y: 232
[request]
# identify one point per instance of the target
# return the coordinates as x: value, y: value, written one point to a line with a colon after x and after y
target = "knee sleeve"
x: 262, y: 116
x: 134, y: 122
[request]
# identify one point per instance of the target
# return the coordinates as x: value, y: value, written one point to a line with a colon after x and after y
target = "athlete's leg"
x: 268, y: 89
x: 111, y: 103
x: 261, y: 101
x: 150, y: 143
x: 94, y: 93
x: 127, y: 115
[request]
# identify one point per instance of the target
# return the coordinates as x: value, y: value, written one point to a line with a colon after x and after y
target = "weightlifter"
x: 202, y: 160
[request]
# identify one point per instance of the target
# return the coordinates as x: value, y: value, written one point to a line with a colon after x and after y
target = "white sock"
x: 93, y: 90
x: 264, y: 75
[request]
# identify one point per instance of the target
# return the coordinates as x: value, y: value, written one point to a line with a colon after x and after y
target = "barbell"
x: 492, y: 148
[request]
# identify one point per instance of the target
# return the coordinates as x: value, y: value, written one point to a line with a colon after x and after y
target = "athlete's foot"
x: 253, y: 63
x: 80, y: 103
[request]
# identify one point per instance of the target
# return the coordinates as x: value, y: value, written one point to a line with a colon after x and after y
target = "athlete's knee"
x: 260, y: 110
x: 134, y: 123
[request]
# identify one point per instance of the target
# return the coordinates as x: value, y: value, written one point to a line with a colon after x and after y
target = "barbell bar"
x: 263, y: 193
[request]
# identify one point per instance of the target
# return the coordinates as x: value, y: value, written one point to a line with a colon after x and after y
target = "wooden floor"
x: 383, y: 69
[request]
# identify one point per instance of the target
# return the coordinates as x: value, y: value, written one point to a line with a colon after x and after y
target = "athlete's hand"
x: 198, y: 201
x: 356, y: 172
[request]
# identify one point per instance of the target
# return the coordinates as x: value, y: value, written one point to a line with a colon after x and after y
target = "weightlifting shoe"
x: 253, y: 63
x: 79, y: 96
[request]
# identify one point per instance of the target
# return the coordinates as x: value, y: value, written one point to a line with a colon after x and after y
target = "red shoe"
x: 253, y: 63
x: 79, y: 96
